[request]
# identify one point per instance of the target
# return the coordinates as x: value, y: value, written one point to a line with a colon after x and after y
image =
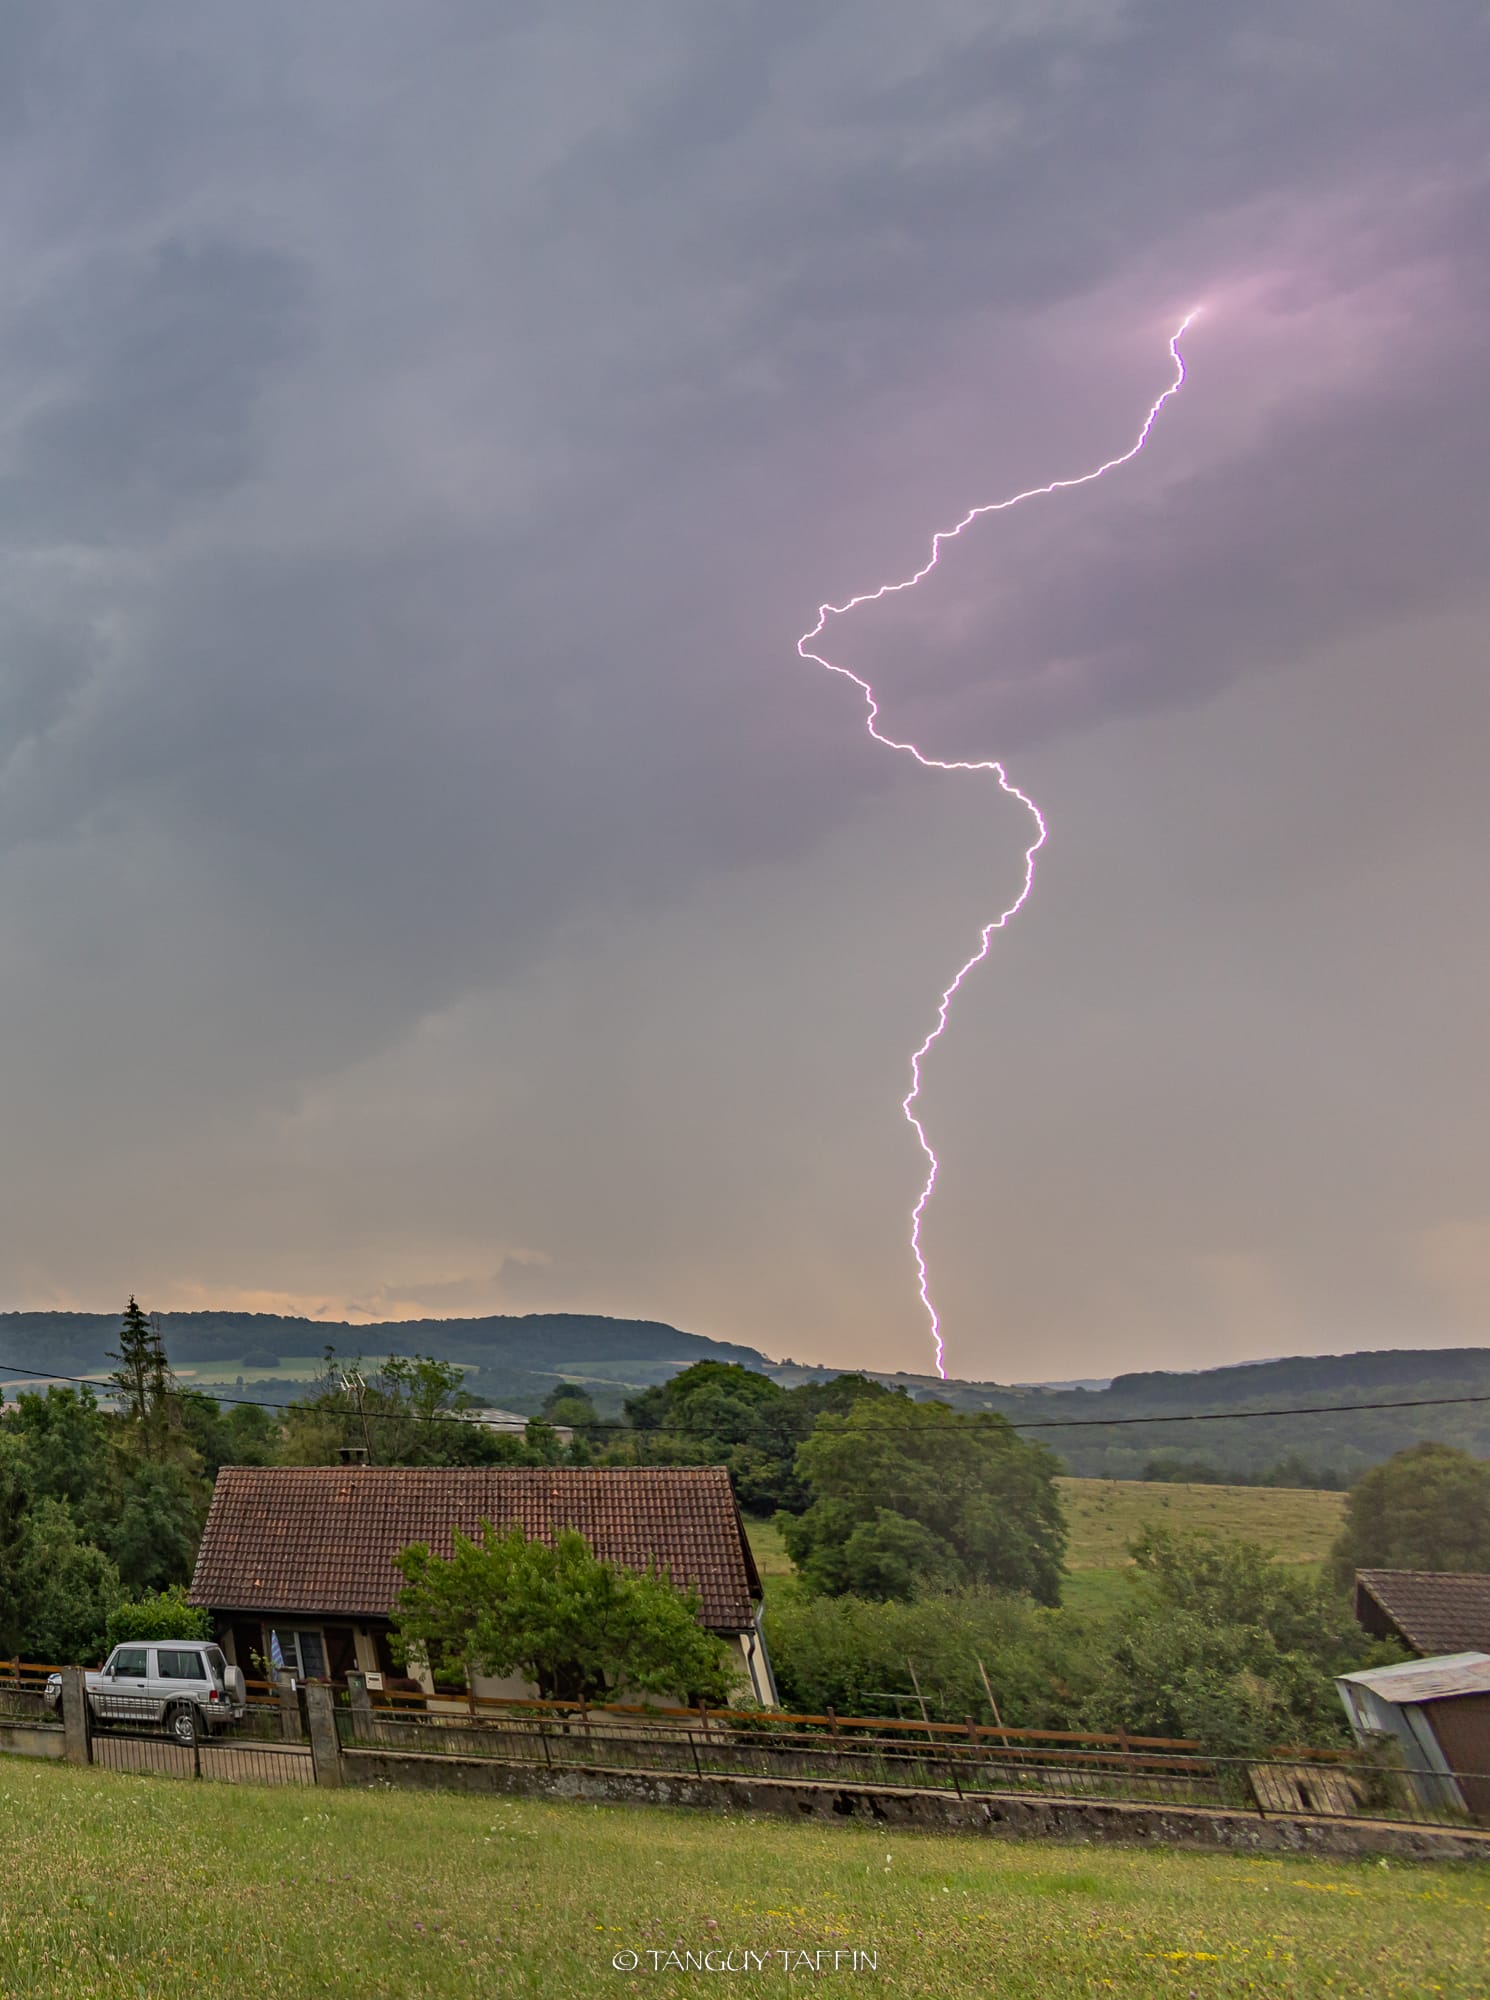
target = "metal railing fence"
x: 270, y: 1743
x: 217, y: 1755
x: 972, y: 1761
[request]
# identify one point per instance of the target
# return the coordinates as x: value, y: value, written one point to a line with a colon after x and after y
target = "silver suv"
x: 185, y: 1684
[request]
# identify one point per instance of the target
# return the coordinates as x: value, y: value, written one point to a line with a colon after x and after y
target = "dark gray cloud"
x: 143, y: 375
x: 1357, y: 498
x: 421, y: 440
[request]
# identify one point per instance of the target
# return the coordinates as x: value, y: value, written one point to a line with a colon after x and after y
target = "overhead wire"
x: 43, y: 1376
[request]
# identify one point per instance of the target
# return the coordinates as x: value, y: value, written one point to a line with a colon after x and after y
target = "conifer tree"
x: 142, y: 1379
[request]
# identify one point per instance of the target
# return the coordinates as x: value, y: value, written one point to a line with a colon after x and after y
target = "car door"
x: 125, y: 1692
x: 179, y: 1674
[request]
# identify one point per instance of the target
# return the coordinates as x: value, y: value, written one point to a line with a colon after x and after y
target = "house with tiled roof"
x: 297, y: 1563
x: 1432, y: 1611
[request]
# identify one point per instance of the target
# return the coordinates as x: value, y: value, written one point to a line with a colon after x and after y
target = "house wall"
x: 747, y: 1659
x: 760, y: 1679
x: 511, y: 1688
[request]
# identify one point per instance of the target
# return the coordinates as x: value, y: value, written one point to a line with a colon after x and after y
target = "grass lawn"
x: 115, y: 1886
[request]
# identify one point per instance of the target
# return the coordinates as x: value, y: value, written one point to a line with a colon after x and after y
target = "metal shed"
x: 1439, y: 1712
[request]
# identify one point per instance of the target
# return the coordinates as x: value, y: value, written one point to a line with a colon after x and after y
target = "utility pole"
x: 356, y: 1388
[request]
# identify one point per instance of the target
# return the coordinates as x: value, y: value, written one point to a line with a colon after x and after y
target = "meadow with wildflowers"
x: 114, y: 1886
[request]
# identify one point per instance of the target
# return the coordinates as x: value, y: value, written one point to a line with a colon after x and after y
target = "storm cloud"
x: 430, y: 881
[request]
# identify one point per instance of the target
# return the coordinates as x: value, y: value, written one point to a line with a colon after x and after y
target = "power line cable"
x: 34, y: 1374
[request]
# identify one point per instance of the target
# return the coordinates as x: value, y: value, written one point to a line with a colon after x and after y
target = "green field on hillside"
x: 1105, y: 1515
x: 289, y: 1368
x: 766, y: 1545
x: 1296, y: 1524
x: 113, y: 1887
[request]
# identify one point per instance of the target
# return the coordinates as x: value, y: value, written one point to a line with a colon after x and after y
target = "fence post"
x: 359, y: 1700
x: 977, y: 1757
x: 76, y: 1746
x: 952, y: 1766
x: 289, y: 1706
x: 320, y: 1721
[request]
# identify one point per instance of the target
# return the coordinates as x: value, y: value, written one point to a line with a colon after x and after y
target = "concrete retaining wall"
x: 1011, y: 1816
x: 30, y: 1739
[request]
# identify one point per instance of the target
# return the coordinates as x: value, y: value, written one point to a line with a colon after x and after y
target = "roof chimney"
x: 353, y: 1454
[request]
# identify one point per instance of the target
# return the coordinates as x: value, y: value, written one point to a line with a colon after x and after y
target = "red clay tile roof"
x: 323, y: 1538
x: 1435, y: 1611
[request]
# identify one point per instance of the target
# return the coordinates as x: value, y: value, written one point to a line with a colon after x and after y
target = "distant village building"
x: 297, y: 1568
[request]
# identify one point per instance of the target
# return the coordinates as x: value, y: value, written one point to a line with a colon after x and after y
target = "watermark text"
x: 738, y: 1959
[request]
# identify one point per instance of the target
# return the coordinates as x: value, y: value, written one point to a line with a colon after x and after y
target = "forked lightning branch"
x: 806, y: 648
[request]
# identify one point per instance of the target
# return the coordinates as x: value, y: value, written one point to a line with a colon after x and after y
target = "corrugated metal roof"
x: 1426, y: 1680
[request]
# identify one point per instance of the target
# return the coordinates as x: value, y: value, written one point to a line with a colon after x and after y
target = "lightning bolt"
x: 805, y: 646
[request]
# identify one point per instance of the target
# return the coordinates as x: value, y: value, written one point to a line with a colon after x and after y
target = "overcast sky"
x: 429, y: 880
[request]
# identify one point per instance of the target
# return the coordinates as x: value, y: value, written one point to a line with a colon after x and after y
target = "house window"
x: 298, y: 1651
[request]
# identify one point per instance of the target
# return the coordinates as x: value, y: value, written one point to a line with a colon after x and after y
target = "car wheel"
x: 182, y: 1723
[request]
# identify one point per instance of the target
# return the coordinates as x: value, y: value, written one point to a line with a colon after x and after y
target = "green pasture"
x: 1296, y: 1524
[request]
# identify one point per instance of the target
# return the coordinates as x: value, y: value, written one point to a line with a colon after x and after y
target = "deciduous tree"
x: 909, y: 1496
x: 1426, y: 1508
x: 558, y: 1616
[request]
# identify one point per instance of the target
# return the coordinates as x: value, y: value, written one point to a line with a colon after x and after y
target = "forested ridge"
x: 517, y: 1361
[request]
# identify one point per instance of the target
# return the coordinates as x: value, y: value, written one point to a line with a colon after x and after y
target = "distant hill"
x: 511, y: 1359
x: 1322, y: 1449
x: 514, y: 1360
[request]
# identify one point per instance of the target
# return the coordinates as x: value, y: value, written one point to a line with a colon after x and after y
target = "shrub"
x: 163, y: 1614
x: 1224, y: 1644
x: 855, y: 1655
